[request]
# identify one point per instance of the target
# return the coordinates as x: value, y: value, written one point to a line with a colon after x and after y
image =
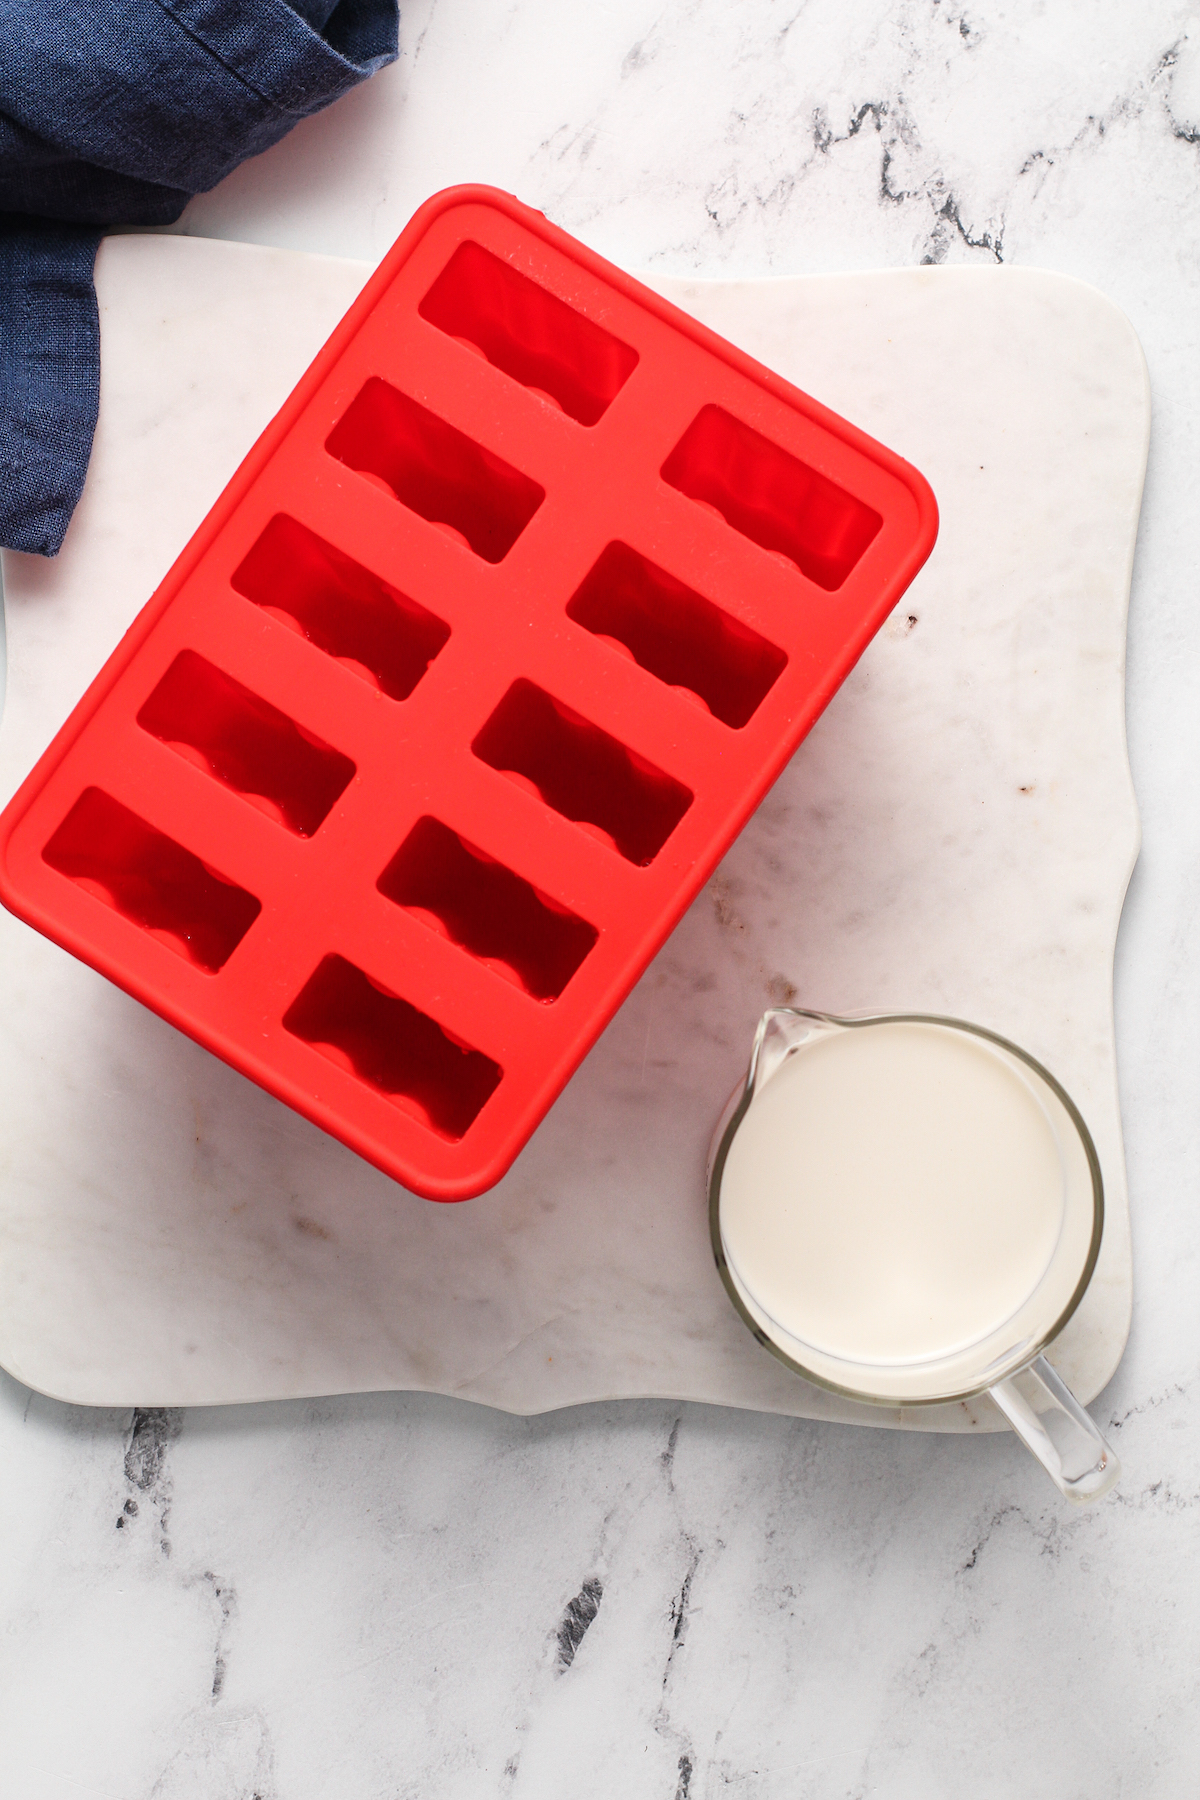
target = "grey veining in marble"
x: 367, y: 1596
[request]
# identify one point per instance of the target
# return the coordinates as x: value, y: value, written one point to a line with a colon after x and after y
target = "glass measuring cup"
x: 923, y: 1243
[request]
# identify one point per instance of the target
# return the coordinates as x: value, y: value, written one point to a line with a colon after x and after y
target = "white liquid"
x: 894, y: 1192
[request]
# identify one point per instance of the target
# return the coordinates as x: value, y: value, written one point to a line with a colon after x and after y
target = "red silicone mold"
x: 449, y: 708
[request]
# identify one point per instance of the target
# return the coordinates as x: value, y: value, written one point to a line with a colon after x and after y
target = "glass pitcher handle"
x: 1048, y: 1418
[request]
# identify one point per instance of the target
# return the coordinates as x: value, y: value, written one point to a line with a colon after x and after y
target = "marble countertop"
x: 400, y: 1596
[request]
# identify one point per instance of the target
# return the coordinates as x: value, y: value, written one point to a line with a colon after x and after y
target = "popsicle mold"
x: 453, y: 702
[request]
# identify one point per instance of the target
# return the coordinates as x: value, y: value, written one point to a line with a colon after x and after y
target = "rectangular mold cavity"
x: 393, y: 1047
x: 490, y: 912
x: 432, y: 467
x: 151, y: 880
x: 771, y: 497
x: 249, y: 745
x: 676, y: 634
x: 350, y: 614
x: 582, y: 772
x: 530, y: 334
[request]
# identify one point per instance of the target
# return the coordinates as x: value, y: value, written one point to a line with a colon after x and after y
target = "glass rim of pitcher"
x: 1008, y: 1364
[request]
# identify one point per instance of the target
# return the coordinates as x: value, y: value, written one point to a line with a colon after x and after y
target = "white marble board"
x: 956, y: 835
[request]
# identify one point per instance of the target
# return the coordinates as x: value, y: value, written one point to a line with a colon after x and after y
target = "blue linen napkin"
x: 115, y: 112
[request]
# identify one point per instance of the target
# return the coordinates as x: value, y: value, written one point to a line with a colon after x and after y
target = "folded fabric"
x: 115, y: 112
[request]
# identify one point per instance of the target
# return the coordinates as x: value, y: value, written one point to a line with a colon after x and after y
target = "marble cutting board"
x: 956, y: 835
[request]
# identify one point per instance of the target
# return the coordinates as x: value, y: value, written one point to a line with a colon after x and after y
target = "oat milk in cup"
x: 908, y: 1209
